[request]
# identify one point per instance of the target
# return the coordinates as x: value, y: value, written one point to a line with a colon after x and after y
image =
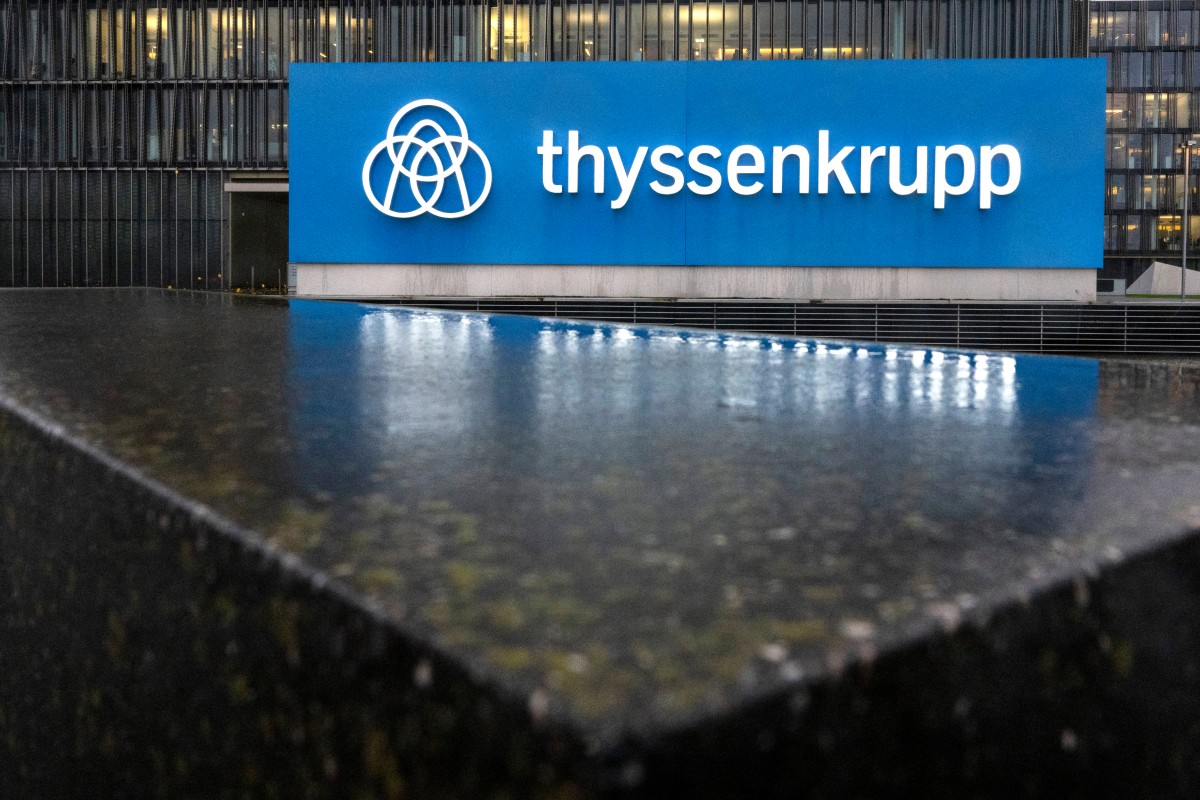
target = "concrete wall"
x: 790, y: 283
x: 1165, y: 279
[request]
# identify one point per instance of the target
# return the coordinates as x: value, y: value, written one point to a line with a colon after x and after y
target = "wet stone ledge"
x: 276, y: 549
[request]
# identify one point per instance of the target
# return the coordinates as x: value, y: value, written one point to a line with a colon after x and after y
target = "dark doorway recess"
x: 258, y: 240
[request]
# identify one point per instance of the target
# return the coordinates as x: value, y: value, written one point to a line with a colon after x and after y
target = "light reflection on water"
x: 450, y: 392
x: 934, y: 377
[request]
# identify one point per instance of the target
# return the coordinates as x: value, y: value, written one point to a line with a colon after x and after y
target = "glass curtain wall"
x: 1153, y: 53
x: 121, y: 120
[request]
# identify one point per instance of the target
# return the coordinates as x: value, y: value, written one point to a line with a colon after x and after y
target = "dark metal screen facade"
x: 1152, y: 48
x: 122, y: 120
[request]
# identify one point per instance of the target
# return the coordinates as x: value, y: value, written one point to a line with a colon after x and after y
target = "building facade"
x: 1153, y: 54
x: 144, y: 142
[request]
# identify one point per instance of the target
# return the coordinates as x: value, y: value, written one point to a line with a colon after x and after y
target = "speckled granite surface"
x: 314, y: 549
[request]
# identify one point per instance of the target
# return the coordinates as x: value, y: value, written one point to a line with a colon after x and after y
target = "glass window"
x: 278, y: 25
x: 153, y: 150
x: 693, y: 33
x: 876, y: 31
x: 276, y: 124
x: 1156, y: 35
x: 1112, y: 231
x: 741, y: 36
x: 1165, y: 148
x: 1171, y: 72
x: 36, y: 44
x: 1140, y: 72
x: 1116, y: 193
x: 657, y: 35
x: 770, y: 31
x: 1152, y: 109
x: 724, y: 32
x: 1157, y: 193
x: 1117, y: 151
x: 1110, y: 69
x: 1183, y: 107
x: 911, y: 32
x: 1133, y: 233
x: 828, y: 29
x: 213, y: 138
x: 602, y: 25
x: 1134, y: 151
x: 896, y: 42
x: 860, y: 30
x: 510, y: 34
x: 812, y: 30
x: 1148, y: 197
x: 1122, y: 28
x: 1172, y: 196
x: 106, y: 35
x: 210, y: 35
x: 1118, y: 110
x: 670, y: 31
x: 152, y: 42
x: 845, y: 45
x: 1180, y: 29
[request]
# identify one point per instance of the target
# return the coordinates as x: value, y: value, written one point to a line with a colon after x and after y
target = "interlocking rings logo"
x: 426, y: 157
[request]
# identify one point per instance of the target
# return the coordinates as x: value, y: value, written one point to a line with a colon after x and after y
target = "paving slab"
x: 305, y: 549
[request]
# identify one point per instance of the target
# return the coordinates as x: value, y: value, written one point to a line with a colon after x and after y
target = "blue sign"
x: 978, y: 163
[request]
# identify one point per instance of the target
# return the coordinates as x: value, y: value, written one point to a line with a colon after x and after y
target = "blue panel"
x: 1051, y: 112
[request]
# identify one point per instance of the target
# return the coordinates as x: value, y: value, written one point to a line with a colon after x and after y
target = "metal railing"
x: 1148, y: 328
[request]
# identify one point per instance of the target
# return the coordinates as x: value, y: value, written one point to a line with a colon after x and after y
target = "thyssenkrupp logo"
x: 423, y: 159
